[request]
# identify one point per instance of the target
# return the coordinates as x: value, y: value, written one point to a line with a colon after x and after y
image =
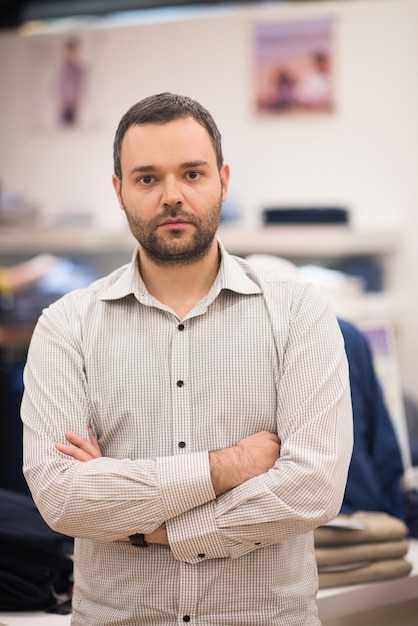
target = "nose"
x: 172, y: 193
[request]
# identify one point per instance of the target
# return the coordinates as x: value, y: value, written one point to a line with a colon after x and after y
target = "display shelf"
x: 345, y: 601
x: 306, y: 241
x: 76, y: 240
x: 301, y: 244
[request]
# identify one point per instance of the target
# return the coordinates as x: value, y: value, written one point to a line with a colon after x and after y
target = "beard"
x: 177, y: 247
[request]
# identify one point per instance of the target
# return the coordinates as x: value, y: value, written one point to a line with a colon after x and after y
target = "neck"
x: 180, y: 286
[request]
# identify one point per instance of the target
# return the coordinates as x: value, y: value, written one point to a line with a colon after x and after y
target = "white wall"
x: 364, y: 156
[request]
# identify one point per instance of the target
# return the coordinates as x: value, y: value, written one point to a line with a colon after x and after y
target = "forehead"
x: 180, y: 140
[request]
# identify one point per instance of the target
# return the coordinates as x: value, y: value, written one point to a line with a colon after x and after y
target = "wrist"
x: 224, y: 469
x: 159, y: 535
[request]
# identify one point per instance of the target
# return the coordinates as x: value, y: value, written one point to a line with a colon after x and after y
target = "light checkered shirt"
x: 160, y: 393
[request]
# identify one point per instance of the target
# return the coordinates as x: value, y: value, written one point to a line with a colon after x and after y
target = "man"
x: 219, y: 399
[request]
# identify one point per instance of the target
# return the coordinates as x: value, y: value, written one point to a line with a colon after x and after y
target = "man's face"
x: 171, y: 189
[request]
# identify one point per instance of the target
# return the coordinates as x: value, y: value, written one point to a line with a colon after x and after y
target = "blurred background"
x: 317, y: 103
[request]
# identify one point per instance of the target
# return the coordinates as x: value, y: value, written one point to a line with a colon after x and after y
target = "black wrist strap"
x: 138, y: 540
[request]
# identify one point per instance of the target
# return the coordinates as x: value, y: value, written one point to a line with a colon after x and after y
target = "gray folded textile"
x: 379, y: 570
x: 345, y: 567
x: 377, y: 527
x: 340, y: 555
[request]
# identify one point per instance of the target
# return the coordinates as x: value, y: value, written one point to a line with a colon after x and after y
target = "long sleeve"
x: 107, y: 498
x: 314, y: 421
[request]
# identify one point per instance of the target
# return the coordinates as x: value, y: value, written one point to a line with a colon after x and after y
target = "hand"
x: 258, y: 453
x: 249, y: 458
x: 80, y: 448
x: 84, y: 450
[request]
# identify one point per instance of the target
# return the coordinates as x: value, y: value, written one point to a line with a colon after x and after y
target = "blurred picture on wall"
x: 293, y: 64
x: 62, y: 80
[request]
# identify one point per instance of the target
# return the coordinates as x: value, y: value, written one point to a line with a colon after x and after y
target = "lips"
x: 174, y: 222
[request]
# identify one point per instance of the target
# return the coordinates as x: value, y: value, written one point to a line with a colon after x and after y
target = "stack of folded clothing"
x: 360, y: 548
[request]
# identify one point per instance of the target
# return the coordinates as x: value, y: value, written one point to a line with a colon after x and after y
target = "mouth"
x: 174, y: 223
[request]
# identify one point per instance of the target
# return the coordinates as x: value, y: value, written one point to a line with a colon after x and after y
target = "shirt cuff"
x: 185, y: 482
x: 194, y: 537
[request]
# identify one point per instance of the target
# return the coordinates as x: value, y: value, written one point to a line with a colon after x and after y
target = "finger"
x: 77, y: 440
x: 76, y: 453
x: 83, y: 444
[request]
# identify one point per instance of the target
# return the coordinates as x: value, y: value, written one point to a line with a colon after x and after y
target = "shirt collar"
x: 231, y: 275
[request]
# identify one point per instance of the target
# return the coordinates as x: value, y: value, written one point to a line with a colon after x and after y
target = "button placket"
x: 180, y: 367
x: 189, y: 594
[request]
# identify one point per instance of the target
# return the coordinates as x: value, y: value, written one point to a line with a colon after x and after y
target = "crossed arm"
x: 192, y: 493
x: 229, y: 467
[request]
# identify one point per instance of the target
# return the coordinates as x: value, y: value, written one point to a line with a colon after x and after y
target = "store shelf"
x: 306, y: 241
x: 300, y: 244
x: 75, y: 240
x: 346, y: 601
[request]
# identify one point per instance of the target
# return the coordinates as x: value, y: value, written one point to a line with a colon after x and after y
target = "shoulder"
x: 289, y: 299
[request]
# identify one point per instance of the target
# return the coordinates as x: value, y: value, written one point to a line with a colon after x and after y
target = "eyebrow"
x: 189, y: 164
x: 145, y: 169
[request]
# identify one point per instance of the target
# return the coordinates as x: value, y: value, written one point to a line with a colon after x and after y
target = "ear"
x: 117, y: 185
x: 224, y: 174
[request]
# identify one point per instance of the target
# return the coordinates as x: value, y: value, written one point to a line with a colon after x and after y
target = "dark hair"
x: 160, y: 109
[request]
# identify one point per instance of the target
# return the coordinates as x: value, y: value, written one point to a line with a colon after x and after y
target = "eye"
x: 145, y: 180
x: 193, y: 175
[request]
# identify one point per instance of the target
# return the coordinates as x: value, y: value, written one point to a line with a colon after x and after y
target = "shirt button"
x: 180, y: 326
x: 180, y: 383
x: 201, y: 556
x: 182, y: 444
x: 186, y: 618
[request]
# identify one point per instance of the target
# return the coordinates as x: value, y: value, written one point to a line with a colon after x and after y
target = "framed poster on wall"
x: 293, y: 66
x: 61, y: 85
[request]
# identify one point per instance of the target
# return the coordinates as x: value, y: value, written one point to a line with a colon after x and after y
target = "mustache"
x: 173, y: 213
